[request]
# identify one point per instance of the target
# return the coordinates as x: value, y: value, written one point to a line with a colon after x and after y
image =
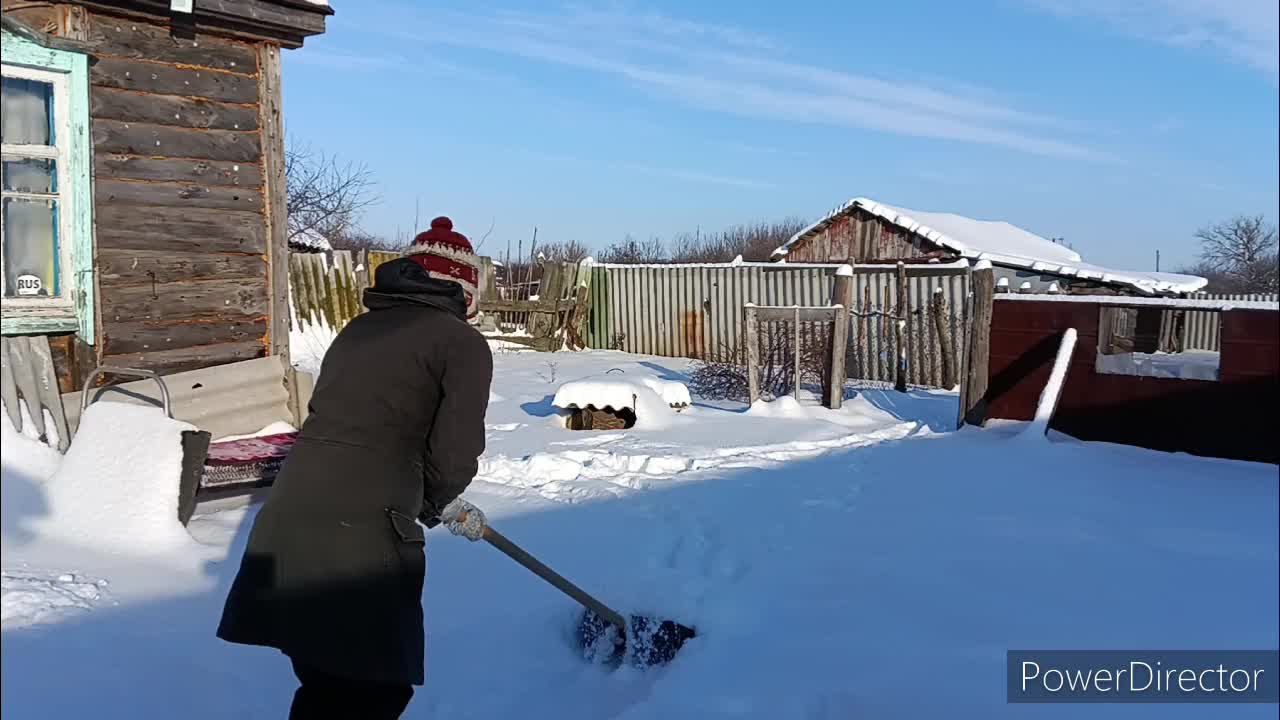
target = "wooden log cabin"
x: 866, y: 231
x: 143, y: 180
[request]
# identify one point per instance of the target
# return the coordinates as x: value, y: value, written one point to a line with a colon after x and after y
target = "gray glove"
x: 464, y: 519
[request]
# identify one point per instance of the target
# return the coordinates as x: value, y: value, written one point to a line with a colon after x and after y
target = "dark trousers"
x: 329, y: 697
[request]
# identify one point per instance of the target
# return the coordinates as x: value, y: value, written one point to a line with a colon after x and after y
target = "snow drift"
x: 116, y: 488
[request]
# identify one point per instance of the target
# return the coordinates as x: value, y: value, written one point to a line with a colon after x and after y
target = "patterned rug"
x: 252, y: 461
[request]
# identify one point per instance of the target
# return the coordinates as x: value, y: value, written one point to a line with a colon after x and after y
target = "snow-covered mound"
x: 117, y: 486
x: 649, y: 398
x: 674, y: 394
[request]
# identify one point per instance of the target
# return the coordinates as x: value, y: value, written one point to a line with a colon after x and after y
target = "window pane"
x: 32, y: 176
x: 30, y: 247
x: 28, y: 112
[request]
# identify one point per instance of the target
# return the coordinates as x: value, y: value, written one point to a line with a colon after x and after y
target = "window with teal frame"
x: 46, y: 202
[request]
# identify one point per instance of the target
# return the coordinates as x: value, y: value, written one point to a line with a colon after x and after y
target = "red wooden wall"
x: 1231, y: 418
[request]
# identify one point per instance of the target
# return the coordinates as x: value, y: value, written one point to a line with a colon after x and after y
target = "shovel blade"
x: 647, y: 641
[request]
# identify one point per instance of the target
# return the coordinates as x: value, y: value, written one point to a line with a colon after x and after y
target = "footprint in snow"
x: 698, y: 549
x: 505, y: 427
x: 591, y: 441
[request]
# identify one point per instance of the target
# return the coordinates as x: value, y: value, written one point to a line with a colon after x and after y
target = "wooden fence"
x: 556, y: 317
x: 328, y: 289
x: 692, y: 311
x: 695, y: 311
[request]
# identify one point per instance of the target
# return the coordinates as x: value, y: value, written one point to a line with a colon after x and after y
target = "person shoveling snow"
x: 334, y: 568
x: 333, y: 572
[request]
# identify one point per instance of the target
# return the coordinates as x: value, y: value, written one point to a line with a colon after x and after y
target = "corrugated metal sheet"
x: 1202, y: 329
x: 234, y: 399
x: 696, y: 311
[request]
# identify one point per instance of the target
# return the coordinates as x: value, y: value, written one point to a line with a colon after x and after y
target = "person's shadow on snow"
x: 22, y: 500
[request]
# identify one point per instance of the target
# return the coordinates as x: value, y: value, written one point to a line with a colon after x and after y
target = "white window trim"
x: 64, y: 303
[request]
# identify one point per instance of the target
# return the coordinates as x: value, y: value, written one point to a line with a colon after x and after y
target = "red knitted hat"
x: 447, y: 255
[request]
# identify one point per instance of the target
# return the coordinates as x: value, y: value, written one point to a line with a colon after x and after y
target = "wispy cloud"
x: 720, y: 68
x: 1243, y: 31
x: 677, y: 173
x: 753, y: 149
x: 701, y: 177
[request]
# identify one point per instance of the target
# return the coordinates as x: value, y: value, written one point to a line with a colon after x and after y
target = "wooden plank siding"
x: 860, y: 237
x: 179, y: 195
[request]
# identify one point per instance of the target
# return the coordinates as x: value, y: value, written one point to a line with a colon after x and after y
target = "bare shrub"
x: 722, y: 375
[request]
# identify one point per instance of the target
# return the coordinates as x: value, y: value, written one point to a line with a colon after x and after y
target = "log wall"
x: 182, y: 238
x: 182, y: 234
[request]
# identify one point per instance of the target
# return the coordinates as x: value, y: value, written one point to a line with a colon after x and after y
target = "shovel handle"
x: 515, y: 552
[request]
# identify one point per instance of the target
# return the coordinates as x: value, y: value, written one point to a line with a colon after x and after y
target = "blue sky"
x: 1122, y: 126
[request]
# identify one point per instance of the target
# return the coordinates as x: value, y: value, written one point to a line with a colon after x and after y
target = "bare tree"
x: 1244, y: 251
x: 1219, y: 282
x: 358, y: 239
x: 755, y: 242
x: 570, y: 251
x: 324, y: 196
x: 633, y: 252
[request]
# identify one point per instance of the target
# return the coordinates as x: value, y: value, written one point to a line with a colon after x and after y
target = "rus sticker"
x: 29, y: 285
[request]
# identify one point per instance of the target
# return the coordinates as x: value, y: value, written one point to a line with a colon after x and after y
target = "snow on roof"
x: 1003, y: 244
x: 312, y: 239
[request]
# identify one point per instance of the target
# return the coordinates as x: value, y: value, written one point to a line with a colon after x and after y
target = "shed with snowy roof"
x: 863, y: 230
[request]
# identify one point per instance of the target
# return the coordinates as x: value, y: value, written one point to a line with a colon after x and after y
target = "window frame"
x: 73, y: 310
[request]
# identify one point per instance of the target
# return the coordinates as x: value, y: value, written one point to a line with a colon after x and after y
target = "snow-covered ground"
x: 865, y: 563
x: 1186, y: 365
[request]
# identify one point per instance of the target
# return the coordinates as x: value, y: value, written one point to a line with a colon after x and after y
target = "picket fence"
x: 327, y: 289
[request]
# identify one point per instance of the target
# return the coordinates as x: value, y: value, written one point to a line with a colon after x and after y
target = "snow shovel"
x: 602, y: 632
x: 195, y: 443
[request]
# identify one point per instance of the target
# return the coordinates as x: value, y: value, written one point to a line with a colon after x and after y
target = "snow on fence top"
x: 311, y: 239
x: 1171, y: 303
x: 883, y: 267
x: 1004, y: 244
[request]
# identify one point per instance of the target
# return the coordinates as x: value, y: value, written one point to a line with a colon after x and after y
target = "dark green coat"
x: 333, y: 571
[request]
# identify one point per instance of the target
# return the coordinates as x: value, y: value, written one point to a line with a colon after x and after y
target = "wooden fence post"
x: 903, y: 311
x: 579, y: 315
x: 544, y: 321
x: 363, y: 277
x: 974, y: 406
x: 753, y: 353
x: 938, y: 308
x: 842, y: 295
x: 488, y: 280
x: 796, y: 391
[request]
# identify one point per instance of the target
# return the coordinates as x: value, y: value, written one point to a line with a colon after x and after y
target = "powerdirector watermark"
x: 1143, y: 676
